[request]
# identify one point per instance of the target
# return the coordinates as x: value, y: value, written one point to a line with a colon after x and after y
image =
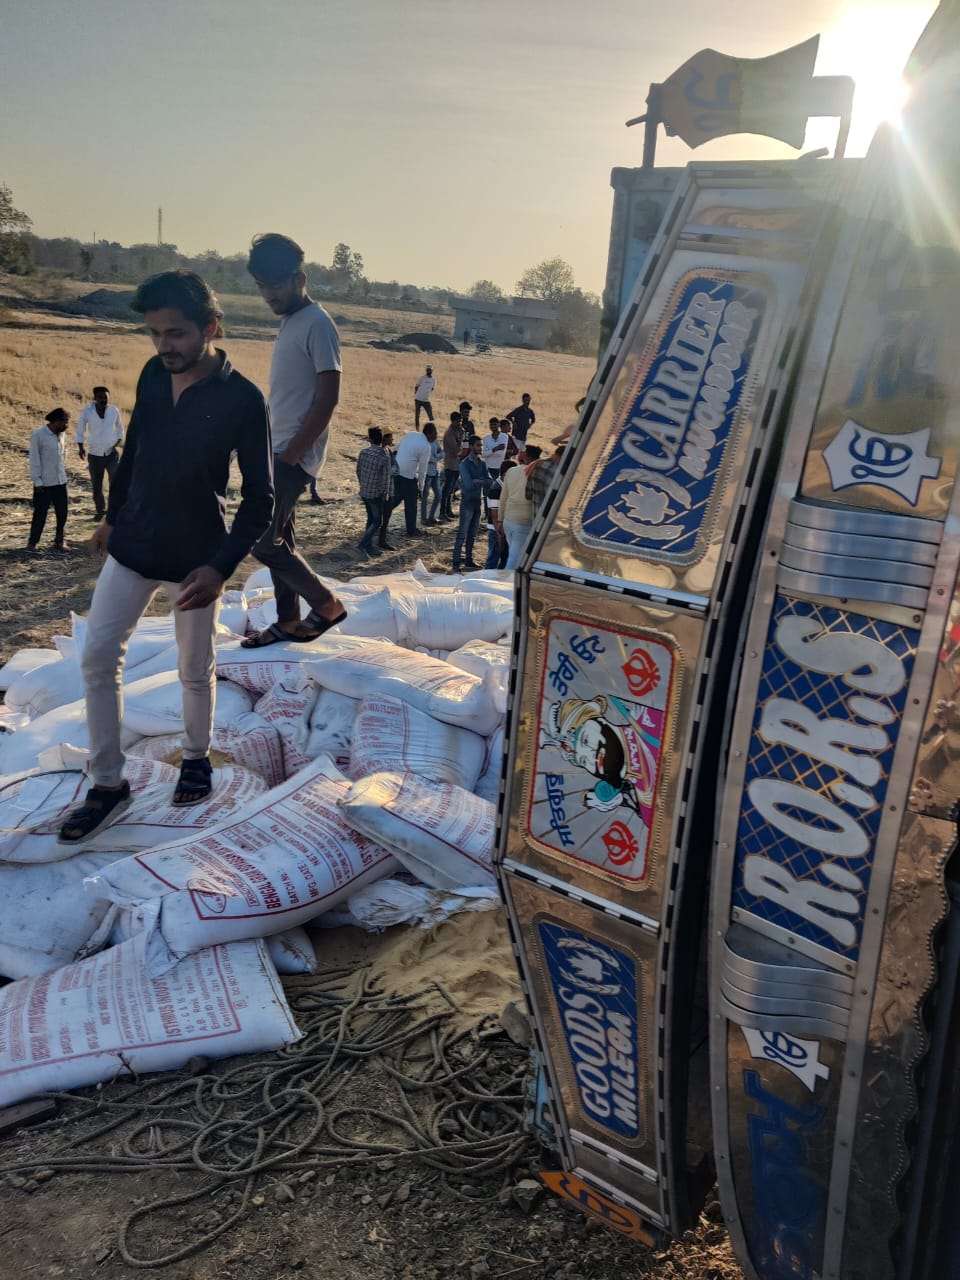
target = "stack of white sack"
x: 280, y: 860
x: 47, y: 919
x: 338, y: 763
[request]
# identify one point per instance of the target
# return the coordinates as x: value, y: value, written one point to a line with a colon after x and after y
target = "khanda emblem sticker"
x: 602, y: 718
x: 856, y: 455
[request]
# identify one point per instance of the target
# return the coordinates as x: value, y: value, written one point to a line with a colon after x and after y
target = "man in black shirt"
x: 166, y: 525
x: 522, y: 419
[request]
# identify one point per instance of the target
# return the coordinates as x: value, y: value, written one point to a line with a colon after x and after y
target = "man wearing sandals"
x: 304, y: 390
x: 165, y: 526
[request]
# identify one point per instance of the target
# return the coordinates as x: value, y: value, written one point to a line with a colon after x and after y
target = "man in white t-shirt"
x: 425, y: 386
x: 304, y: 390
x: 413, y: 458
x: 497, y: 447
x: 99, y: 433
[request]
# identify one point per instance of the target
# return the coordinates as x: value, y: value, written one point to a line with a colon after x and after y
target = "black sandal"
x: 195, y: 783
x: 100, y: 806
x: 319, y: 624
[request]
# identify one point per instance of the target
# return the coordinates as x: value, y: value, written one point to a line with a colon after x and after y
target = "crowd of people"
x: 461, y: 467
x: 164, y: 520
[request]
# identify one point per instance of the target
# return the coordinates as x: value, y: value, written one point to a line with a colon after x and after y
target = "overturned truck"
x: 728, y: 811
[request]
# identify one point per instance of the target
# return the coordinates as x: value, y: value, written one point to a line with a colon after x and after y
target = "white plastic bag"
x: 446, y: 620
x: 443, y: 834
x: 388, y: 731
x: 279, y: 861
x: 389, y: 902
x: 102, y: 1016
x: 361, y: 668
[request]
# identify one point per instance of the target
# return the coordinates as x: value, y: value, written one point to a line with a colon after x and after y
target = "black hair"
x: 506, y: 465
x: 183, y: 291
x: 430, y: 426
x: 456, y: 416
x: 274, y: 257
x: 612, y: 768
x: 97, y: 390
x: 374, y: 435
x: 56, y: 415
x: 533, y: 452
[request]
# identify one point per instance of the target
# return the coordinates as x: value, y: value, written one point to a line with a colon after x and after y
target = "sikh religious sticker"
x: 602, y: 715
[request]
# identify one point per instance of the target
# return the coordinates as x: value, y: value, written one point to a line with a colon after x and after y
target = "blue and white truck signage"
x: 654, y: 491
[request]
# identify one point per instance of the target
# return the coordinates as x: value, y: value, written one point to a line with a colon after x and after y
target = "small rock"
x: 30, y: 1186
x: 43, y: 1175
x: 102, y: 1253
x: 479, y: 1271
x: 526, y: 1193
x: 330, y: 1179
x: 403, y: 1193
x: 516, y: 1024
x: 367, y: 1199
x: 258, y: 1200
x: 557, y: 1231
x: 282, y: 1193
x: 307, y: 1176
x: 385, y: 1200
x: 387, y: 1164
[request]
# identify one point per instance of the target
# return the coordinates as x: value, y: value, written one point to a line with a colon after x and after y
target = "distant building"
x: 521, y: 322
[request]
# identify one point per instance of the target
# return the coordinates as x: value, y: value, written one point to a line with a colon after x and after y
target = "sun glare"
x: 871, y: 43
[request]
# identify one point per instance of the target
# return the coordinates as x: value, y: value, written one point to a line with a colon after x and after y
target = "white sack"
x: 388, y: 902
x: 101, y: 1017
x: 249, y: 741
x: 11, y: 721
x: 361, y: 668
x: 155, y: 704
x: 329, y: 730
x: 46, y: 917
x: 279, y: 861
x: 286, y: 706
x: 446, y: 620
x: 443, y: 834
x: 390, y: 734
x: 292, y: 951
x: 258, y: 669
x: 488, y: 784
x: 491, y: 662
x: 33, y: 810
x: 53, y: 686
x: 25, y: 660
x: 21, y: 750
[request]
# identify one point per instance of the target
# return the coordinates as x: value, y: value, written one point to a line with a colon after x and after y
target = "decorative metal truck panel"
x: 841, y: 798
x: 629, y: 605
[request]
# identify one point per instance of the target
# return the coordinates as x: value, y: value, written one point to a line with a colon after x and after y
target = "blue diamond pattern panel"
x: 814, y: 792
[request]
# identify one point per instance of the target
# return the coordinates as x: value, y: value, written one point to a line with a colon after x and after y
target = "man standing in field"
x: 475, y: 480
x: 99, y: 434
x: 522, y: 419
x: 304, y: 391
x: 425, y: 387
x: 376, y: 486
x: 48, y: 474
x: 165, y: 526
x: 413, y: 457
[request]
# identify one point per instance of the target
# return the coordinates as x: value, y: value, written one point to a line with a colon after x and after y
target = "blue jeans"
x: 517, y: 536
x: 496, y: 554
x: 432, y: 484
x: 374, y: 508
x: 466, y: 530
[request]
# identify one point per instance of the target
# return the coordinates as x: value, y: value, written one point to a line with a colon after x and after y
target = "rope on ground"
x: 458, y: 1110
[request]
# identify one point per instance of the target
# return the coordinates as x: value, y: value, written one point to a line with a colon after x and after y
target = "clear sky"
x: 445, y: 140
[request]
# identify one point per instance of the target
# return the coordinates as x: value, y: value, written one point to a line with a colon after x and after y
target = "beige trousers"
x: 119, y: 599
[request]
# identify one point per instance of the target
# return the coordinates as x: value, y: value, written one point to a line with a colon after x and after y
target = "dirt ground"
x: 392, y: 1218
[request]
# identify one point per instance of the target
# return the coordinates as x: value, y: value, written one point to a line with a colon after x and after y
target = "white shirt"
x: 306, y: 345
x: 47, y: 466
x: 413, y: 454
x: 495, y: 451
x: 99, y: 434
x: 424, y: 388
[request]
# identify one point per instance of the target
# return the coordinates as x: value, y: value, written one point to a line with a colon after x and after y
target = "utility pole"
x: 159, y: 226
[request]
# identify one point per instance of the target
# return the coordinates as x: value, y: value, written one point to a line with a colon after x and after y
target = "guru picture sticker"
x: 598, y: 753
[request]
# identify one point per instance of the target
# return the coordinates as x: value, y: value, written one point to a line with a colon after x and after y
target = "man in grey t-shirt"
x: 304, y: 390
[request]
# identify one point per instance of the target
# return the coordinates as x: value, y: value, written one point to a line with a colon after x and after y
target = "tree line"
x: 107, y: 262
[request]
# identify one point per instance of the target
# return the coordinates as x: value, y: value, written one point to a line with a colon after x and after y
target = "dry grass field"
x: 48, y: 359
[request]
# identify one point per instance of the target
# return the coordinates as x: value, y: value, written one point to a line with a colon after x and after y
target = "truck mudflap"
x: 631, y: 594
x: 839, y: 814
